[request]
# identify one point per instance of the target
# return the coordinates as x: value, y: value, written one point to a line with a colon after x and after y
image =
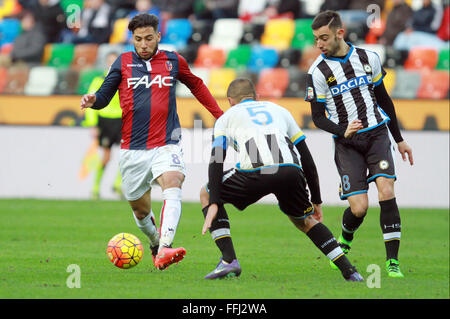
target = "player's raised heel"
x: 223, y: 270
x: 345, y: 245
x: 168, y: 256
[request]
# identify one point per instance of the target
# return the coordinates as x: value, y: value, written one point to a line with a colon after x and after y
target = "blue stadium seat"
x: 261, y: 58
x: 9, y: 30
x: 178, y: 32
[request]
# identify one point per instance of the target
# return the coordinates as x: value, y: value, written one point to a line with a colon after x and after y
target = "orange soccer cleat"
x: 168, y: 256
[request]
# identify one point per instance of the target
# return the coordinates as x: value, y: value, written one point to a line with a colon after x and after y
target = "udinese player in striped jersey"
x: 347, y: 83
x: 150, y: 151
x: 274, y: 159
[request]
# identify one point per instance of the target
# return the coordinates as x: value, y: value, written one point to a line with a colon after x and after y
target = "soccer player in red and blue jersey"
x: 150, y: 151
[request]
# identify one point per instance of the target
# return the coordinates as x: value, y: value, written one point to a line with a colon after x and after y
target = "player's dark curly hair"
x: 144, y: 20
x: 330, y: 18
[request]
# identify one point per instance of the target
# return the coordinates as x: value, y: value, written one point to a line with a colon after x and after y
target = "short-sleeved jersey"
x: 148, y: 98
x: 263, y: 133
x: 346, y: 86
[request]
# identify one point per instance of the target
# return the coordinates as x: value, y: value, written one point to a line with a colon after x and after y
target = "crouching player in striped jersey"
x: 347, y: 83
x: 274, y: 159
x: 150, y: 148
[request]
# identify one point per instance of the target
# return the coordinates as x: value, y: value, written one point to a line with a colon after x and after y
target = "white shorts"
x: 141, y: 168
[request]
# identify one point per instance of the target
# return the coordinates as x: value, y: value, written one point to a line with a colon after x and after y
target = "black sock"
x: 220, y: 232
x: 391, y: 227
x: 322, y: 237
x: 350, y: 223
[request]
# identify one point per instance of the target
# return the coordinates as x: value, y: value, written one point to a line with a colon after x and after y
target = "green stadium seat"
x: 85, y: 79
x: 61, y: 55
x: 238, y: 58
x: 443, y: 60
x: 66, y: 3
x: 303, y: 36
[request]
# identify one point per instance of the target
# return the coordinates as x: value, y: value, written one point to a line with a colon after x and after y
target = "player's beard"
x: 334, y: 48
x: 152, y: 53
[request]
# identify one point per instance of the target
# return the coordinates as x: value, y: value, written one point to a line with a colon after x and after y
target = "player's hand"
x: 352, y: 128
x: 87, y: 100
x: 210, y: 216
x: 404, y: 149
x: 318, y: 214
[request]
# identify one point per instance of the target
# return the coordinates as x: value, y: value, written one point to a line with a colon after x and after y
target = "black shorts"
x: 110, y: 131
x: 287, y: 183
x: 363, y: 158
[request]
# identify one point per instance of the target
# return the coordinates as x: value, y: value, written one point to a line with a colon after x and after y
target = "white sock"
x: 148, y: 227
x: 170, y: 216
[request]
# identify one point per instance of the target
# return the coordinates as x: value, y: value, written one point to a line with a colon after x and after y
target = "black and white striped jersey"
x: 263, y: 133
x: 346, y: 86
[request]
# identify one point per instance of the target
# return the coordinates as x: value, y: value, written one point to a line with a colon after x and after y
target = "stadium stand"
x: 256, y: 45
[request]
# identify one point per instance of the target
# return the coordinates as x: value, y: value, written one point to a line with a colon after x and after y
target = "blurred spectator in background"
x: 51, y: 17
x: 283, y: 8
x: 248, y: 9
x: 364, y: 4
x: 444, y: 30
x: 176, y: 9
x: 426, y: 19
x: 397, y: 21
x: 29, y: 45
x: 145, y: 6
x: 335, y: 5
x: 95, y: 23
x: 216, y: 9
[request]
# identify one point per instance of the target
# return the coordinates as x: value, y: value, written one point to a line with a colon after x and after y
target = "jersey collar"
x: 339, y: 59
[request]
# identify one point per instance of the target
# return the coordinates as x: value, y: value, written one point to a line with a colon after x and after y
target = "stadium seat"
x: 66, y: 3
x: 356, y: 32
x: 303, y: 36
x: 84, y: 56
x: 103, y: 50
x: 272, y: 83
x: 201, y: 31
x: 16, y: 80
x: 434, y: 84
x: 379, y: 49
x: 309, y: 55
x: 9, y: 8
x: 3, y: 78
x: 443, y: 60
x: 395, y: 58
x: 278, y: 33
x: 61, y: 55
x: 9, y: 30
x: 189, y: 52
x: 210, y: 57
x: 6, y: 48
x: 261, y: 58
x: 407, y: 83
x: 238, y: 58
x: 252, y: 33
x: 120, y: 31
x: 41, y: 81
x: 67, y: 83
x: 420, y: 58
x: 289, y: 57
x: 226, y: 33
x: 376, y: 30
x: 177, y: 32
x: 85, y: 78
x: 219, y: 80
x: 297, y: 84
x: 183, y: 91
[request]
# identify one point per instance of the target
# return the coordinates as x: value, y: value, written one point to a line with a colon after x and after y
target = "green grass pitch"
x: 41, y: 238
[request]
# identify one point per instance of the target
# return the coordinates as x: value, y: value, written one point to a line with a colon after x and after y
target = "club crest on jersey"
x: 169, y: 66
x: 157, y: 80
x: 367, y: 68
x: 384, y: 164
x: 350, y: 84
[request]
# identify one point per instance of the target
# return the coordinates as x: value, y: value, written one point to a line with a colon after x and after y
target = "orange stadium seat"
x: 434, y: 84
x: 210, y: 57
x: 84, y: 56
x: 420, y: 58
x: 16, y: 79
x: 3, y: 76
x: 309, y: 54
x: 272, y: 83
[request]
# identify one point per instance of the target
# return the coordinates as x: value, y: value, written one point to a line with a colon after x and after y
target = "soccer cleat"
x: 393, y: 268
x: 345, y: 245
x: 225, y: 270
x: 352, y: 274
x: 168, y: 256
x: 154, y: 251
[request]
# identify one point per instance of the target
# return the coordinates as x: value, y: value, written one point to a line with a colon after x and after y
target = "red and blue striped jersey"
x: 147, y: 97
